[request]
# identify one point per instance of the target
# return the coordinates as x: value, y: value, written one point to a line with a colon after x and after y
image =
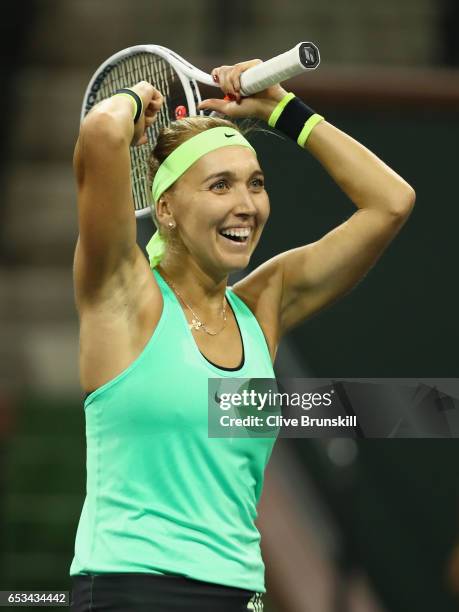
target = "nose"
x: 245, y: 204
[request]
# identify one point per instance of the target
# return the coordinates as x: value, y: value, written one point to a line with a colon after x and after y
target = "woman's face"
x: 220, y: 207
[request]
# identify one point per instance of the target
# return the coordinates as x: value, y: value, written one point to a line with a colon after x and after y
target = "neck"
x: 198, y: 287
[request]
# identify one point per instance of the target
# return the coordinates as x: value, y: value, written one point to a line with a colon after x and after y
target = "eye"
x: 258, y: 182
x: 219, y: 184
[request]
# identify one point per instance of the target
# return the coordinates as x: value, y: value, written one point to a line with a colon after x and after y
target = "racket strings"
x: 157, y: 71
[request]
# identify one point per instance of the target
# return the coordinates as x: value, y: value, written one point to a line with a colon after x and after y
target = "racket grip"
x: 304, y: 56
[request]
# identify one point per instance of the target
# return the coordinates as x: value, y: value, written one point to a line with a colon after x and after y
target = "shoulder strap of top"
x: 171, y: 307
x: 163, y: 286
x: 246, y: 317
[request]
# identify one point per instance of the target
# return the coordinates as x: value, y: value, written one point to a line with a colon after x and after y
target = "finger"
x: 156, y: 101
x: 222, y: 74
x: 235, y: 81
x: 250, y: 63
x: 217, y: 71
x: 157, y: 97
x: 238, y: 70
x: 226, y: 84
x: 153, y: 108
x: 235, y: 75
x: 215, y: 104
x: 145, y: 87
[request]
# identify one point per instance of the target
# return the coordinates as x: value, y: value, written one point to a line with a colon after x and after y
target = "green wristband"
x: 136, y: 99
x: 294, y: 118
x: 307, y: 128
x: 274, y: 116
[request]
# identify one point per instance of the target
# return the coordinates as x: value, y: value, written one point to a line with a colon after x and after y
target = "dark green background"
x: 401, y: 320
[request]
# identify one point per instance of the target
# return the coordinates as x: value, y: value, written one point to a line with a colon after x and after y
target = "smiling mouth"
x: 235, y: 238
x: 238, y: 236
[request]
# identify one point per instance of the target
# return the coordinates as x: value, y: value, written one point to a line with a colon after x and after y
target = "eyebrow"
x: 230, y: 175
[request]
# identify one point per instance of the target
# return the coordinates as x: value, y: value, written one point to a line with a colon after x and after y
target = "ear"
x: 163, y: 211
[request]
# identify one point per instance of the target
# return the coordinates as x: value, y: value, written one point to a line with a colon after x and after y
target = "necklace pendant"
x: 195, y: 324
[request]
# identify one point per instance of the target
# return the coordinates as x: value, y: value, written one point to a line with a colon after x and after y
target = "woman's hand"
x: 259, y: 105
x: 152, y: 102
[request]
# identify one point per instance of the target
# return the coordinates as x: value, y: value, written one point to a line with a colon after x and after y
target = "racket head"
x: 158, y: 66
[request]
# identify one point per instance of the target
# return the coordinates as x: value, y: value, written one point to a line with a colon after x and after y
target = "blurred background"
x: 347, y: 525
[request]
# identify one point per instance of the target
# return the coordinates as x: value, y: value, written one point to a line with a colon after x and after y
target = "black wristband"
x: 293, y: 118
x: 137, y: 99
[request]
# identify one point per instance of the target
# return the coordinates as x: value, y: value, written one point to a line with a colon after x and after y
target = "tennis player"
x: 168, y: 519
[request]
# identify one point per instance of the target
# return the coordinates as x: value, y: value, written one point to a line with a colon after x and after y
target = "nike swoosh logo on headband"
x: 230, y: 135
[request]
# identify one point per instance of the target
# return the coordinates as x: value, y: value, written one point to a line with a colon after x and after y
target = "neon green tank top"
x: 161, y: 496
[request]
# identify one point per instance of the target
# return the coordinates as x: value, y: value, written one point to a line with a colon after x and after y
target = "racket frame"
x: 254, y: 79
x: 189, y: 84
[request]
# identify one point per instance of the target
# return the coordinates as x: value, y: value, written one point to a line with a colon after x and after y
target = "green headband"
x: 178, y: 162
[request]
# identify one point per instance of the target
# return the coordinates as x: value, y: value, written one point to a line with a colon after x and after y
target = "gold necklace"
x: 196, y: 322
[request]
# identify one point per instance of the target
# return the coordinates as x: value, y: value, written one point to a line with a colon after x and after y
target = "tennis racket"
x: 177, y: 80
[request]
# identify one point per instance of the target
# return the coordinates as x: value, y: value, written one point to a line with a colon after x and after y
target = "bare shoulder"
x: 261, y: 291
x: 117, y: 321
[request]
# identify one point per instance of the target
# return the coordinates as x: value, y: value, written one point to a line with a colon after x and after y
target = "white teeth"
x: 243, y: 232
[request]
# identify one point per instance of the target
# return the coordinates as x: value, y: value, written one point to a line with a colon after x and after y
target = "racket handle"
x: 304, y: 56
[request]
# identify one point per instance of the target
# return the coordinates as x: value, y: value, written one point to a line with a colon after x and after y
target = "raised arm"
x: 292, y: 286
x: 106, y: 246
x: 317, y: 274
